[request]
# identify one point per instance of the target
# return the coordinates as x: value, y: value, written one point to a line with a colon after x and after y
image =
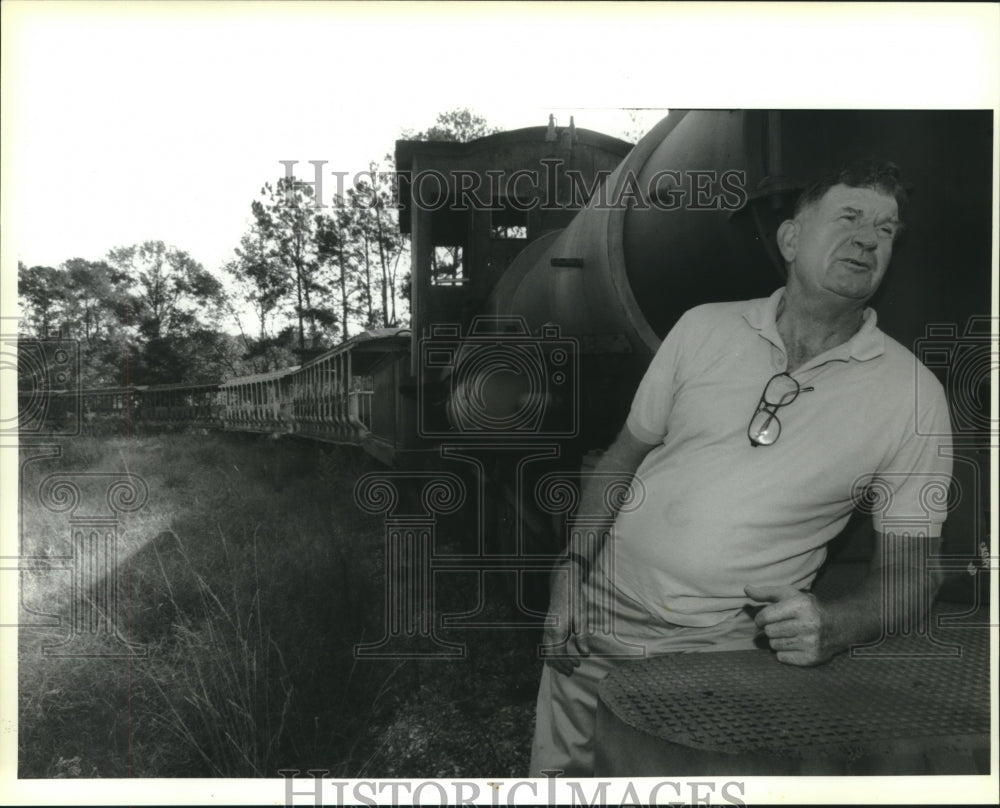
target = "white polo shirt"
x: 718, y: 513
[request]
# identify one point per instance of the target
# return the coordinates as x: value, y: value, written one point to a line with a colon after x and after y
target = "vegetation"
x: 247, y: 579
x: 310, y: 272
x: 456, y: 126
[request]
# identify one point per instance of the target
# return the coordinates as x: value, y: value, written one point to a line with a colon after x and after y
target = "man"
x: 750, y: 436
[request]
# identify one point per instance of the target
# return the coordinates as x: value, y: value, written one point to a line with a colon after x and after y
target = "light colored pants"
x: 566, y: 713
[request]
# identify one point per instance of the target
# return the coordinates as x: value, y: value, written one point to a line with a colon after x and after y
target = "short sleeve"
x: 654, y: 399
x: 915, y: 481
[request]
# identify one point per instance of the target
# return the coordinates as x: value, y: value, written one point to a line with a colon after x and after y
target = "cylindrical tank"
x: 628, y: 268
x: 716, y: 186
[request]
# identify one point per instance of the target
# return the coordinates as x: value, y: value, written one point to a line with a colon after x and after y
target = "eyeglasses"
x: 780, y: 391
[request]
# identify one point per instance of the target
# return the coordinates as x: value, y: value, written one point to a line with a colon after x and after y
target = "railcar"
x: 196, y: 404
x: 256, y: 403
x: 154, y: 404
x: 350, y: 394
x: 108, y: 402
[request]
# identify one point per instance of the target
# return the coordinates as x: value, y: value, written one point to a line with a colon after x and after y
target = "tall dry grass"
x: 233, y: 582
x: 247, y: 580
x: 232, y: 693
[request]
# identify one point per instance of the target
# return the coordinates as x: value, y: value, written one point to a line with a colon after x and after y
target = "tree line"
x: 301, y: 280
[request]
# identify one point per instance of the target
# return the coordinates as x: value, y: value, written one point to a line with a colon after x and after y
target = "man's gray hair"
x: 879, y: 175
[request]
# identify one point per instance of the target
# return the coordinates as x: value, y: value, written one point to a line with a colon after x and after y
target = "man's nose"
x: 865, y: 236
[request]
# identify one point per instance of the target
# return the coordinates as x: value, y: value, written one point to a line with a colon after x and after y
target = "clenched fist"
x: 795, y: 623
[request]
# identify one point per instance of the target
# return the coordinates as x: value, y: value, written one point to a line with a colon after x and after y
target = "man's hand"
x: 795, y: 624
x: 566, y: 638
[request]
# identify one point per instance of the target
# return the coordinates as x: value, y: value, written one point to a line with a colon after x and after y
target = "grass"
x: 247, y: 580
x: 232, y: 693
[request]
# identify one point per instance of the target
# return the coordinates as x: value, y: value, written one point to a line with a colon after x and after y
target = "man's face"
x: 841, y: 245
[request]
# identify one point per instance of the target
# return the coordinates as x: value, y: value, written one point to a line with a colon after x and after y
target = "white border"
x: 878, y: 56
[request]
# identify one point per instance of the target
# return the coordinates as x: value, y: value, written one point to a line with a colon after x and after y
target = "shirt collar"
x: 867, y: 343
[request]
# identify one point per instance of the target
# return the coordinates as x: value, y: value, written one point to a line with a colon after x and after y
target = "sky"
x: 127, y: 122
x: 136, y: 124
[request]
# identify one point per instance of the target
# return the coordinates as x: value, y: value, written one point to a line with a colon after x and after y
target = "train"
x: 578, y: 251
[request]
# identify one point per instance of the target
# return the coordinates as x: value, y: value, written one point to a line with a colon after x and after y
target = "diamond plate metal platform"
x: 745, y: 713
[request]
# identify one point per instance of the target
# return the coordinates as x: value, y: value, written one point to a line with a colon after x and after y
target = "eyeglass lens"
x: 764, y: 428
x: 780, y: 391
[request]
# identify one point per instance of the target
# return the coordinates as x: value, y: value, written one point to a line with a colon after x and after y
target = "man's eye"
x: 850, y: 217
x: 887, y: 231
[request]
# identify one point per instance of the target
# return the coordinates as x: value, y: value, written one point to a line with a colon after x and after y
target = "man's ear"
x: 788, y: 238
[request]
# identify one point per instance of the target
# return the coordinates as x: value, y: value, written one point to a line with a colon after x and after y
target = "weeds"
x: 248, y: 579
x: 231, y: 699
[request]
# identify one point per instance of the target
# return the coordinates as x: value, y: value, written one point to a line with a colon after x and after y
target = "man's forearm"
x: 853, y: 618
x: 892, y: 597
x: 592, y: 522
x: 895, y: 595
